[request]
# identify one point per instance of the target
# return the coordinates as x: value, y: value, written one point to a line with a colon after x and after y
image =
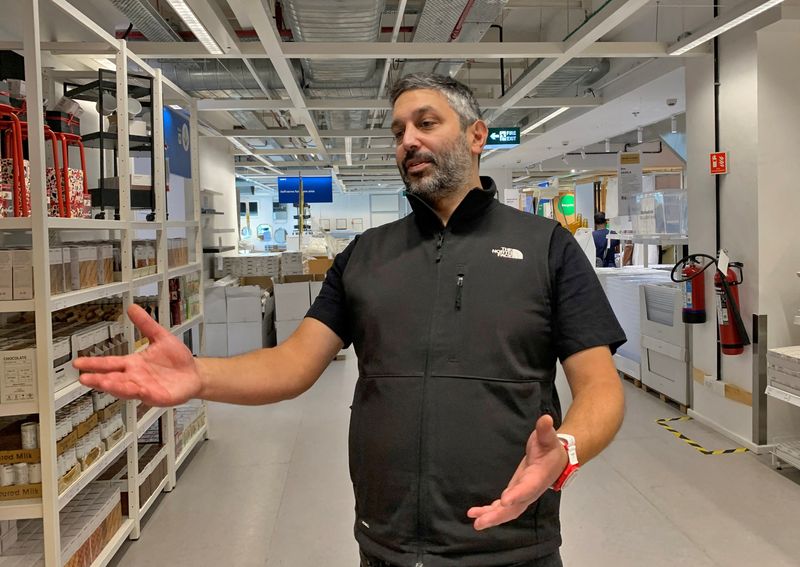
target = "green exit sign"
x: 501, y: 138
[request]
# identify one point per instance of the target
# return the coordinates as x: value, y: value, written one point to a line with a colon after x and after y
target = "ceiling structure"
x: 301, y: 85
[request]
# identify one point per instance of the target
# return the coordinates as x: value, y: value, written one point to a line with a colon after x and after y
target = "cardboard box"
x: 284, y: 329
x: 244, y: 337
x: 216, y: 337
x: 138, y: 182
x: 319, y: 265
x: 63, y: 122
x: 216, y: 307
x: 22, y: 273
x: 292, y: 301
x: 264, y: 282
x: 243, y: 304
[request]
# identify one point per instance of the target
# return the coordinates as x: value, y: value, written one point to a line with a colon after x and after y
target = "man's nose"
x: 410, y: 139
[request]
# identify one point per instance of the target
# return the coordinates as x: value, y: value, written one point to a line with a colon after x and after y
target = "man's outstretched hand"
x: 164, y: 374
x: 545, y: 459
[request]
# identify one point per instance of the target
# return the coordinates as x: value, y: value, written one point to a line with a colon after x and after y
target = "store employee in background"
x: 605, y: 249
x: 457, y: 313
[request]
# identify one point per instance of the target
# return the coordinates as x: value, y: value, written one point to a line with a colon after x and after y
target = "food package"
x: 76, y: 197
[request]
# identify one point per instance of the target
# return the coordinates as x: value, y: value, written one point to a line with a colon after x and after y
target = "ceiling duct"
x: 147, y: 20
x: 343, y: 20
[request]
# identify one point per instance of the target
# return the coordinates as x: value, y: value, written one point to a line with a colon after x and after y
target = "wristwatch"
x: 572, y: 465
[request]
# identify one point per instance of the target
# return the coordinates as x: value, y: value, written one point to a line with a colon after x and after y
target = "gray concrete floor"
x: 271, y: 489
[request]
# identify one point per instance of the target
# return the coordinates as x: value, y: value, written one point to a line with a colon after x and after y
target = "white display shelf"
x: 147, y: 470
x: 788, y: 452
x: 21, y: 509
x: 93, y: 471
x: 17, y: 306
x: 71, y: 298
x: 211, y: 192
x: 145, y: 225
x: 190, y: 445
x: 783, y: 395
x: 70, y: 393
x: 148, y: 419
x: 15, y: 223
x: 85, y: 224
x: 186, y: 325
x: 182, y: 224
x: 183, y: 270
x: 153, y: 497
x: 655, y: 239
x: 146, y: 280
x: 113, y: 546
x: 23, y: 408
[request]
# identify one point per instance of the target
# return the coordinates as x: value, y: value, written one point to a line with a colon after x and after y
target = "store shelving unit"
x: 783, y: 383
x: 39, y: 229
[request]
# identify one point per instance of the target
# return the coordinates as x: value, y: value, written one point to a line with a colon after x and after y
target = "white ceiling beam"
x: 302, y: 132
x: 281, y: 152
x: 256, y: 12
x: 386, y: 50
x: 382, y: 104
x: 611, y: 15
x: 88, y: 23
x: 215, y: 22
x: 342, y: 167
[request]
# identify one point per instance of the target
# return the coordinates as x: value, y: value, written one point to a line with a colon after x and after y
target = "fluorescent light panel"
x: 719, y: 25
x: 198, y: 29
x: 544, y: 120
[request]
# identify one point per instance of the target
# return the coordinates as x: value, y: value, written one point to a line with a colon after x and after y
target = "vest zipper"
x: 420, y: 500
x: 459, y: 288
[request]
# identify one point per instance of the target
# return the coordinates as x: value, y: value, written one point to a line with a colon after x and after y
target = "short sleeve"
x: 330, y: 307
x: 582, y: 316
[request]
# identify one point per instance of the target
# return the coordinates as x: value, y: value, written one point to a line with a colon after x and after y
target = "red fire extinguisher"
x: 732, y: 332
x: 693, y: 277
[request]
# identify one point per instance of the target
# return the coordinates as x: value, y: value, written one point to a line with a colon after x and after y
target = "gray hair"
x: 459, y: 95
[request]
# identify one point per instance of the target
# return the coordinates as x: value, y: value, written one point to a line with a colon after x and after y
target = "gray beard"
x: 450, y: 172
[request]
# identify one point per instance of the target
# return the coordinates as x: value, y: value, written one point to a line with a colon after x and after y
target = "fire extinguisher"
x: 692, y: 275
x: 732, y: 332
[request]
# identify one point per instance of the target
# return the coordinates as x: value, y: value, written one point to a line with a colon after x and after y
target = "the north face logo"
x: 511, y: 253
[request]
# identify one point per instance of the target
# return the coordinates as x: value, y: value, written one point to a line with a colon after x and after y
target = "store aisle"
x: 271, y: 489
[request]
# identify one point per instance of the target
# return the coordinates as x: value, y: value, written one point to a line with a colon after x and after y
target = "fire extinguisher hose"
x: 677, y: 268
x: 734, y: 307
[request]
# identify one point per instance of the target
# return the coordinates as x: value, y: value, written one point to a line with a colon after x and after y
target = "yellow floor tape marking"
x: 664, y: 423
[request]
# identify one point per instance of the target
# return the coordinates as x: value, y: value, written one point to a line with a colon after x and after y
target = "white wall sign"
x: 629, y: 171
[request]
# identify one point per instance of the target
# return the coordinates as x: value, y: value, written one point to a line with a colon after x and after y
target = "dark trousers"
x: 552, y: 560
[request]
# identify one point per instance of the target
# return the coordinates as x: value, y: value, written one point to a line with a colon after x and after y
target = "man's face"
x: 434, y: 155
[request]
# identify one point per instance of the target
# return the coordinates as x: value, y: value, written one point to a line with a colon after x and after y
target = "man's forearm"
x: 598, y: 403
x: 272, y: 374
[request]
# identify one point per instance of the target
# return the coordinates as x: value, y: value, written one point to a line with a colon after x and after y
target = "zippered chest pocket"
x: 458, y: 318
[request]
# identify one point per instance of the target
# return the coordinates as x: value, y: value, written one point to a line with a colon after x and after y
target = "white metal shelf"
x: 21, y: 509
x: 23, y: 408
x: 148, y: 419
x: 783, y: 395
x: 86, y: 224
x: 71, y: 298
x: 182, y: 224
x: 18, y: 305
x: 94, y: 470
x: 183, y: 270
x: 186, y: 325
x: 70, y: 393
x: 148, y: 470
x: 190, y: 445
x: 146, y: 280
x: 15, y: 223
x: 153, y: 497
x: 113, y: 546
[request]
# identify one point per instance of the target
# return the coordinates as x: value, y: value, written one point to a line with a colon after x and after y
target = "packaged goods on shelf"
x: 7, y: 186
x: 80, y: 204
x: 116, y: 473
x: 6, y: 276
x: 88, y: 523
x: 177, y: 252
x: 22, y: 273
x: 291, y: 263
x: 184, y: 298
x: 56, y: 271
x: 144, y: 258
x: 20, y: 468
x: 189, y: 419
x: 249, y: 265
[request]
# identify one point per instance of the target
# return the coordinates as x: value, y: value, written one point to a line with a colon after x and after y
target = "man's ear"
x: 477, y: 135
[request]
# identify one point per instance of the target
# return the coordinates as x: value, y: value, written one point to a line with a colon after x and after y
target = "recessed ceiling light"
x: 200, y: 32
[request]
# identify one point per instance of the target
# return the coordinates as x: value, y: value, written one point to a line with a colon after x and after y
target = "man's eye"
x: 428, y: 123
x: 398, y: 135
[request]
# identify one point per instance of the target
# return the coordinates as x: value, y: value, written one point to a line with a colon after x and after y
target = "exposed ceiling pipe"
x: 146, y: 19
x: 460, y: 23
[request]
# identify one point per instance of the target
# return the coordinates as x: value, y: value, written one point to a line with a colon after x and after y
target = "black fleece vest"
x: 452, y: 327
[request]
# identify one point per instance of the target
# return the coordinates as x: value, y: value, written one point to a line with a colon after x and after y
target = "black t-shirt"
x: 583, y: 316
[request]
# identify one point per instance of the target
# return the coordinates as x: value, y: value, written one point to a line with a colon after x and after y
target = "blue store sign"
x: 177, y: 140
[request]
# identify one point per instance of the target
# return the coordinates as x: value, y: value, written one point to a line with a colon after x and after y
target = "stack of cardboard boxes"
x: 239, y: 319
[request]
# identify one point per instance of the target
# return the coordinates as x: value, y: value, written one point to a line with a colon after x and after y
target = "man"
x: 605, y: 249
x: 457, y: 314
